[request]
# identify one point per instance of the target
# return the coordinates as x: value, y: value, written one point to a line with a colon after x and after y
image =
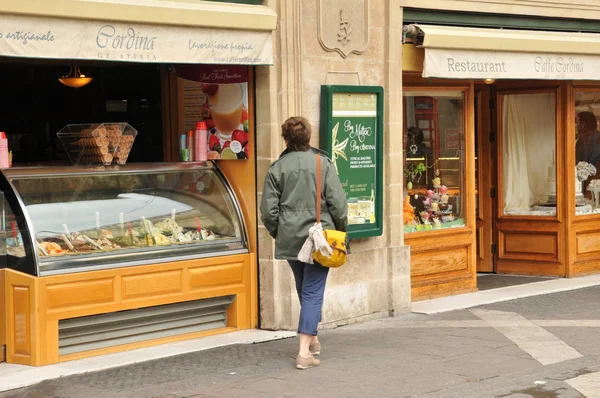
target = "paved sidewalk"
x: 544, y: 347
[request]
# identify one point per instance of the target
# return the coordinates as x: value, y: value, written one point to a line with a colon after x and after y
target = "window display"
x: 529, y: 154
x: 95, y: 217
x: 433, y: 159
x: 587, y: 152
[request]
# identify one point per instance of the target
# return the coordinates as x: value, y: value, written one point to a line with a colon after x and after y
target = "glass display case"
x: 97, y: 143
x: 63, y: 220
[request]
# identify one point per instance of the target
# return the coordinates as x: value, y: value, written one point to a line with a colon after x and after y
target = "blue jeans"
x: 310, y: 285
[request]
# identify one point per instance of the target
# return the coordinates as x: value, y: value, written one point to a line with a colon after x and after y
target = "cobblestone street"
x: 543, y: 347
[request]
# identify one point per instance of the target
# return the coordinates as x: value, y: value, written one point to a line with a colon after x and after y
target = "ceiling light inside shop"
x: 75, y: 78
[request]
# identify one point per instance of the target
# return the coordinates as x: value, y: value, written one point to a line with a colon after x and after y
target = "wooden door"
x: 531, y: 241
x: 484, y: 189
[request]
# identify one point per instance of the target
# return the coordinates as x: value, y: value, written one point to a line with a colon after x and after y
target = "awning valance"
x: 471, y: 53
x: 80, y: 39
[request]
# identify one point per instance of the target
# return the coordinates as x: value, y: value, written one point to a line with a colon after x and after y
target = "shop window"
x: 434, y: 172
x: 528, y: 154
x: 42, y: 106
x: 587, y: 152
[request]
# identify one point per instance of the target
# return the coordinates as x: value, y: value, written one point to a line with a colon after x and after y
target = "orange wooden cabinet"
x: 35, y: 306
x: 82, y: 303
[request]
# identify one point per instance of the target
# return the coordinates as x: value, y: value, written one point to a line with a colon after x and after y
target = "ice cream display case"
x: 101, y: 259
x: 62, y: 221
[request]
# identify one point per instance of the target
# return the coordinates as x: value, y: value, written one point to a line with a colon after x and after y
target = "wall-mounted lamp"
x: 489, y: 81
x: 75, y: 78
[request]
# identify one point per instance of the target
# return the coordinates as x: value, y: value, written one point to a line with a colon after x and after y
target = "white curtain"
x: 529, y: 124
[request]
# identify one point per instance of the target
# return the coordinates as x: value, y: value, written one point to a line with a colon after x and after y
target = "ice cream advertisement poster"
x: 217, y: 95
x: 354, y: 143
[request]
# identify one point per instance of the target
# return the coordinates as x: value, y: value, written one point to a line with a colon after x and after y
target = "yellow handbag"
x: 336, y: 239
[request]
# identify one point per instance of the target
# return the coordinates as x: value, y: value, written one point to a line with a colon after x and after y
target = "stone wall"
x: 376, y: 280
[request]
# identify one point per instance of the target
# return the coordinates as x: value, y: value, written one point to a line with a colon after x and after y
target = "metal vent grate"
x: 124, y: 327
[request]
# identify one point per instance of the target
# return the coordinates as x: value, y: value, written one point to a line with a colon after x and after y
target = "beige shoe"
x: 315, y: 348
x: 306, y: 362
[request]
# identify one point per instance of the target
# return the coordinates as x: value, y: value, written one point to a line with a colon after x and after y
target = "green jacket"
x: 288, y: 206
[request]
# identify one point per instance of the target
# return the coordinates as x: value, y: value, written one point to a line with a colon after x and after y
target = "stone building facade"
x: 376, y: 280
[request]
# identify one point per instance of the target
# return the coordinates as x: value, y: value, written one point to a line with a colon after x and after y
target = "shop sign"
x: 467, y: 64
x: 343, y: 26
x: 218, y: 95
x: 452, y: 139
x: 40, y: 37
x: 352, y: 133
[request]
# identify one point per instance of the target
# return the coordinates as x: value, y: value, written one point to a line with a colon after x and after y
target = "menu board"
x: 352, y: 134
x: 217, y: 95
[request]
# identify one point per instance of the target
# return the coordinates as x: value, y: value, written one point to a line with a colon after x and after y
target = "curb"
x: 470, y: 300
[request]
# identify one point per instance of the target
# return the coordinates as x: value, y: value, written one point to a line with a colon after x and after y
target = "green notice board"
x: 352, y: 133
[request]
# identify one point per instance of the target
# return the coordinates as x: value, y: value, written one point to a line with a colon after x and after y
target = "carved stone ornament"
x: 343, y: 26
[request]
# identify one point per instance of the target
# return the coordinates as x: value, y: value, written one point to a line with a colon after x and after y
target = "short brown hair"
x: 296, y: 132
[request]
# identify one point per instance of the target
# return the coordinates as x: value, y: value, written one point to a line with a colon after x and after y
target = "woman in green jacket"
x: 288, y: 210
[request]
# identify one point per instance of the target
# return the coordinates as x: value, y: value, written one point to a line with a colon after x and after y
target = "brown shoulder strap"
x: 318, y: 188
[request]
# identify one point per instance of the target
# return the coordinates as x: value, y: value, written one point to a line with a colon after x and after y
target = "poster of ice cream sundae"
x: 217, y: 95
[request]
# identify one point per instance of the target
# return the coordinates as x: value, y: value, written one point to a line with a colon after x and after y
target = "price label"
x: 236, y: 146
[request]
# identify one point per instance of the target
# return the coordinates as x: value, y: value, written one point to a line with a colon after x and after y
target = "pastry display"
x: 96, y: 218
x: 433, y: 210
x: 583, y: 171
x: 52, y: 248
x: 165, y: 232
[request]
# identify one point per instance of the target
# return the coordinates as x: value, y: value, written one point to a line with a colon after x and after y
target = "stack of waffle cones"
x: 94, y: 146
x: 103, y: 144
